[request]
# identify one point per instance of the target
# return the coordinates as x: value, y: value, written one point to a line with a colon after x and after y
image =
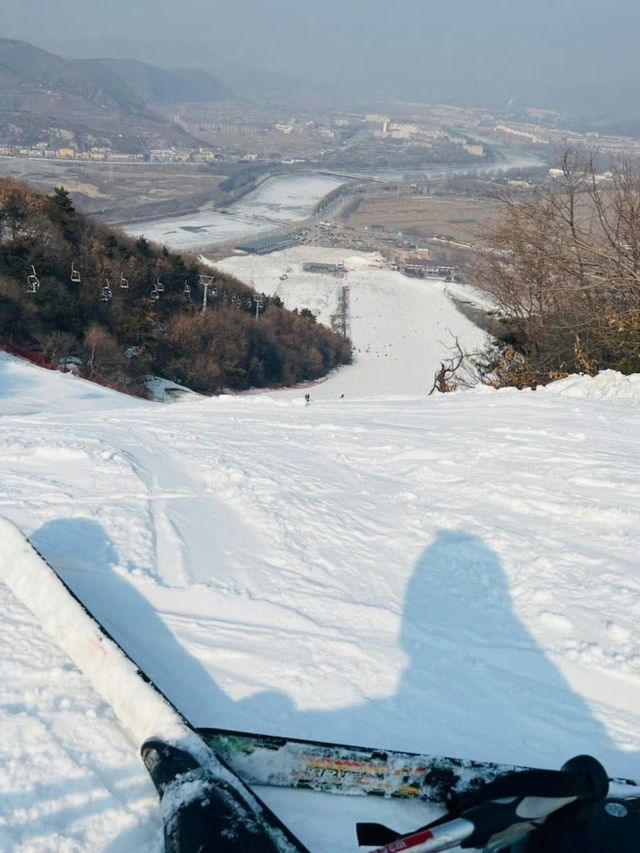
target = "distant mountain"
x: 45, y: 98
x: 155, y: 85
x: 244, y: 80
x: 30, y: 76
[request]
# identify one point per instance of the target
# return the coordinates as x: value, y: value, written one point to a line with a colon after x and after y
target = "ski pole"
x: 509, y: 807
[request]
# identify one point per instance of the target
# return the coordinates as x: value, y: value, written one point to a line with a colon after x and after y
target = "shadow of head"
x: 76, y: 544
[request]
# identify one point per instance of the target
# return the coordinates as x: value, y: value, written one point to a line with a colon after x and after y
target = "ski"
x: 354, y: 770
x: 205, y: 806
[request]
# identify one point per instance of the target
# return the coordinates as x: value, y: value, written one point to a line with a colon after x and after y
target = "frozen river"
x: 276, y: 202
x: 287, y: 199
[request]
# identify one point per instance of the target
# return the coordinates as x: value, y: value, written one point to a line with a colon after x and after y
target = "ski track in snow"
x: 452, y: 575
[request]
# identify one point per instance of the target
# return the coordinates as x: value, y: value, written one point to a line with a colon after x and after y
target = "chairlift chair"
x: 159, y: 286
x: 107, y: 293
x: 33, y: 282
x: 75, y: 274
x: 187, y: 289
x: 154, y: 294
x: 124, y: 284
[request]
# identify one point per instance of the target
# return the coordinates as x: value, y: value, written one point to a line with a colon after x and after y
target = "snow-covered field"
x: 452, y: 574
x: 279, y: 200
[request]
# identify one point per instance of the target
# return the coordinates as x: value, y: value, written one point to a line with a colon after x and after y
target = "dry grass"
x: 461, y: 219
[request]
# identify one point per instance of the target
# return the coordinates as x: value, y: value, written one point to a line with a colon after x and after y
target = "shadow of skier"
x: 476, y: 683
x: 88, y: 562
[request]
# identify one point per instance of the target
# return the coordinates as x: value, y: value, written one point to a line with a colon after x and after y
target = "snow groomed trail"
x: 453, y: 575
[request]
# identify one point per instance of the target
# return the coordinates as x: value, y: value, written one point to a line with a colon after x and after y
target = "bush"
x: 564, y: 267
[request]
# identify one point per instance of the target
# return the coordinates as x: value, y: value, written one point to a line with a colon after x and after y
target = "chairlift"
x: 187, y: 289
x: 206, y: 279
x: 107, y: 293
x: 75, y: 274
x: 124, y: 284
x: 159, y: 286
x: 249, y: 302
x: 154, y: 294
x: 33, y: 282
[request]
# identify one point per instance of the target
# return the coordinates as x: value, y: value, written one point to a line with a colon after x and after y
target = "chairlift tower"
x: 206, y: 281
x: 340, y: 320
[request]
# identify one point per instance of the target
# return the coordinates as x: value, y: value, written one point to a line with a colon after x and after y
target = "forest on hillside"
x: 122, y: 309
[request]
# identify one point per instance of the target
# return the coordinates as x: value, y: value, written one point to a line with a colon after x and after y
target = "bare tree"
x: 460, y: 370
x: 103, y: 355
x: 564, y: 268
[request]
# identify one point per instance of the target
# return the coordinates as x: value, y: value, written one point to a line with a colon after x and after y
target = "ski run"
x: 452, y: 575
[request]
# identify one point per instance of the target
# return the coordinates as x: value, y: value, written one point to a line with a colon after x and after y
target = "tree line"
x: 136, y: 309
x: 563, y: 267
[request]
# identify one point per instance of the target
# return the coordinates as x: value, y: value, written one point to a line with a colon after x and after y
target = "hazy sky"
x: 487, y: 48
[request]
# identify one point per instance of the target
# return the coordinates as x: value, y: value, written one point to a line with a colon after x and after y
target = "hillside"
x: 163, y: 86
x: 134, y: 309
x: 45, y: 98
x: 454, y: 574
x: 169, y: 53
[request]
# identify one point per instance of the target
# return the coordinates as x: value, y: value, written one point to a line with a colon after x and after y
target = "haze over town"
x: 575, y: 55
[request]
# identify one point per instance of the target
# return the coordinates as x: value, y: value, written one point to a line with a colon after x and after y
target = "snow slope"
x: 70, y: 780
x: 401, y: 327
x: 446, y: 574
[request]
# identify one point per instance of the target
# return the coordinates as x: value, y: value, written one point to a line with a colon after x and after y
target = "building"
x: 317, y: 266
x: 161, y: 155
x: 266, y: 245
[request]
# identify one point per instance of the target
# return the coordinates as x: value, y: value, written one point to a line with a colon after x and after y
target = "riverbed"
x: 278, y: 201
x: 289, y: 199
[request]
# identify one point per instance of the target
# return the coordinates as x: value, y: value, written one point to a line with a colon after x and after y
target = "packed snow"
x: 401, y: 327
x: 69, y: 777
x: 448, y: 574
